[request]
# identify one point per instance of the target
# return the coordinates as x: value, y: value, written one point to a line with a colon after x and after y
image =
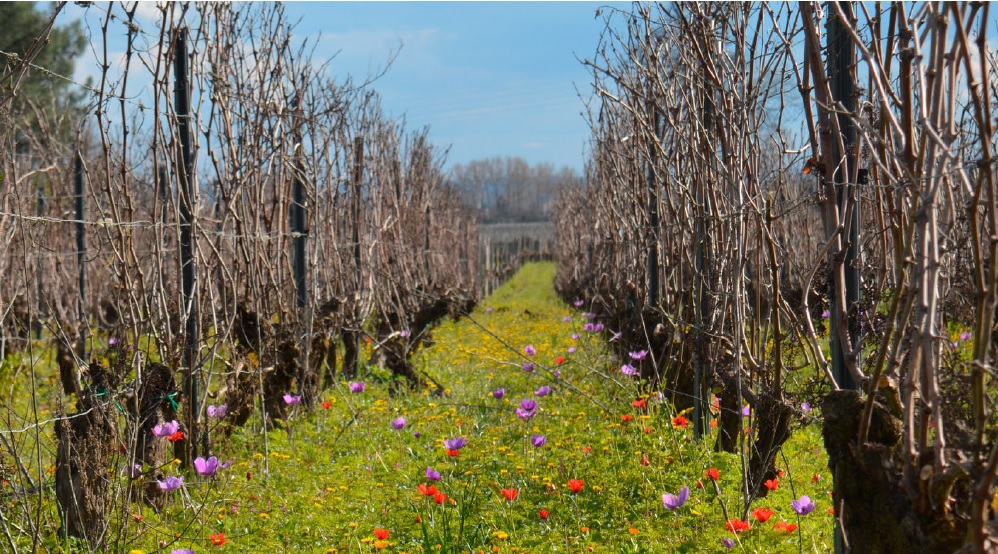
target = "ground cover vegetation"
x: 244, y: 310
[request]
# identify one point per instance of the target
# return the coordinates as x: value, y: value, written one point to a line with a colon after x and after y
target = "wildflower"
x: 644, y: 460
x: 181, y: 551
x: 166, y: 429
x: 326, y: 404
x: 135, y: 471
x: 805, y: 407
x: 616, y: 337
x: 381, y: 533
x: 633, y: 530
x: 488, y: 310
x: 728, y: 543
x: 178, y: 436
x: 712, y: 474
x: 398, y: 423
x: 543, y: 391
x: 112, y: 341
x: 510, y: 494
x: 501, y: 535
x: 576, y: 336
x: 713, y: 424
x: 205, y: 467
x: 404, y: 333
x: 453, y: 453
x: 640, y: 403
x: 589, y: 327
x: 772, y: 484
x: 598, y: 327
x: 566, y: 319
x: 357, y: 387
x: 538, y: 440
x: 291, y: 399
x: 965, y: 336
x: 762, y: 515
x: 498, y: 393
x: 815, y: 478
x: 455, y: 443
x: 431, y: 474
x: 736, y: 525
x: 417, y: 434
x: 672, y: 502
x: 217, y: 411
x: 380, y: 544
x: 746, y: 410
x: 527, y: 408
x: 557, y: 374
x: 638, y: 356
x: 628, y: 369
x: 578, y: 303
x: 575, y: 485
x: 439, y: 497
x: 626, y: 417
x: 528, y: 366
x: 542, y: 513
x: 217, y: 539
x: 826, y: 314
x: 427, y: 489
x: 785, y: 527
x: 803, y: 506
x: 529, y: 350
x: 561, y: 359
x: 171, y: 483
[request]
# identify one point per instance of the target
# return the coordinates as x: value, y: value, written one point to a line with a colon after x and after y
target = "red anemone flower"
x: 575, y: 485
x: 543, y: 514
x: 510, y: 494
x: 381, y: 534
x: 762, y: 515
x: 736, y: 525
x: 178, y: 436
x: 712, y: 474
x: 218, y: 539
x: 772, y: 484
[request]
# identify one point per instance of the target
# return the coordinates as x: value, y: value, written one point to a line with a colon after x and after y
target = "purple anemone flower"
x: 566, y: 319
x: 166, y: 429
x: 639, y: 355
x: 628, y: 369
x: 291, y: 399
x: 538, y: 440
x: 728, y: 542
x: 529, y: 350
x: 498, y: 393
x: 398, y: 423
x: 674, y: 501
x: 206, y: 468
x: 543, y: 391
x: 217, y: 411
x: 171, y: 483
x: 431, y: 474
x: 455, y: 443
x: 803, y: 506
x: 357, y: 387
x: 528, y: 366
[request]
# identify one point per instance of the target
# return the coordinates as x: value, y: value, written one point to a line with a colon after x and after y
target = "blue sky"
x: 488, y: 78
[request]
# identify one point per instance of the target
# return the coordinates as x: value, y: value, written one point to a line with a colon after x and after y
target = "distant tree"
x: 510, y: 189
x: 42, y: 93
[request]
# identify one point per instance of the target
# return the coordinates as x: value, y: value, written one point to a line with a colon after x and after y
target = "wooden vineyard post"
x: 841, y: 64
x: 81, y: 253
x: 188, y: 266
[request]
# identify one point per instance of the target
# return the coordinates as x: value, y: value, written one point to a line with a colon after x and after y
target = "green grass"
x: 335, y: 475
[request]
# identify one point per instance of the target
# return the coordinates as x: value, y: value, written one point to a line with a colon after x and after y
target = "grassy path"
x: 584, y: 471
